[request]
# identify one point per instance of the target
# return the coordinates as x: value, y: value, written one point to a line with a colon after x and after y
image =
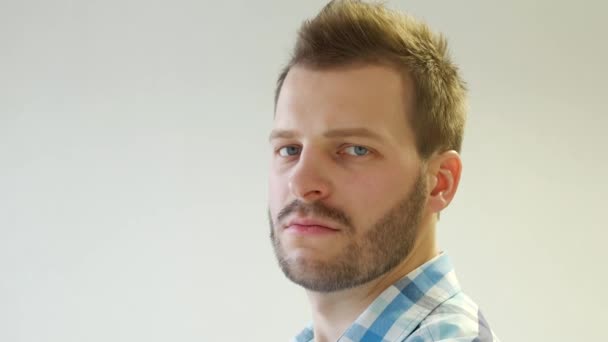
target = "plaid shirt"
x: 427, y: 305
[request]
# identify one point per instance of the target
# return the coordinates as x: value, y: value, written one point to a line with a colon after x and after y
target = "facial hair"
x: 388, y: 242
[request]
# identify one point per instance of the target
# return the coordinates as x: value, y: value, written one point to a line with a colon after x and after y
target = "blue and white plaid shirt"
x: 427, y: 305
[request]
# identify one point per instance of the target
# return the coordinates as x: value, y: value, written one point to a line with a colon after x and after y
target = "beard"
x: 380, y: 249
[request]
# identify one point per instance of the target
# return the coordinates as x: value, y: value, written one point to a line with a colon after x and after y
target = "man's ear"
x: 444, y: 171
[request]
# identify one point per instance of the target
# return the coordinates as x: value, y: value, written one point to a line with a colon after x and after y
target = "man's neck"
x: 334, y: 312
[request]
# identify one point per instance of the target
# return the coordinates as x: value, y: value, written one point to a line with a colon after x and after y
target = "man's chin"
x: 317, y: 275
x: 311, y: 281
x: 303, y: 255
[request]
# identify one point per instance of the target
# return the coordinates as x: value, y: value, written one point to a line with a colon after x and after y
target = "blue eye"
x: 358, y: 151
x: 289, y: 151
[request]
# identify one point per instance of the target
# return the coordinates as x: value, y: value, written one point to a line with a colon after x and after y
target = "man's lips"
x: 310, y: 226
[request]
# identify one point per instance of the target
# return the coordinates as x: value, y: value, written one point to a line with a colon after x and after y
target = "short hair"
x: 347, y: 32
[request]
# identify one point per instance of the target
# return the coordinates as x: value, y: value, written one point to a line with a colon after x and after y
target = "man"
x: 367, y: 131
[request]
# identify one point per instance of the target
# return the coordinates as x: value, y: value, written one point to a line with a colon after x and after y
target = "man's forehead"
x: 354, y: 76
x: 369, y: 99
x: 346, y: 88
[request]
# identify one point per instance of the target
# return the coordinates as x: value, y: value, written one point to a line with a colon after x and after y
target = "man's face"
x: 347, y: 189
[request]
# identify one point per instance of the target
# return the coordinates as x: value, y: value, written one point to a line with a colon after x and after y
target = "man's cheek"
x: 277, y: 196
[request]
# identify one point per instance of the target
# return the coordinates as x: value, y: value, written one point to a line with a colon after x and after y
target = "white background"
x: 134, y: 160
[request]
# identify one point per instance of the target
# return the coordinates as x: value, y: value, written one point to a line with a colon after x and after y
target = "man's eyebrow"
x: 352, y: 132
x: 334, y: 133
x: 281, y: 134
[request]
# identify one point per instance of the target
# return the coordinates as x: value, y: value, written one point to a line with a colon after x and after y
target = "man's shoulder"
x: 456, y: 319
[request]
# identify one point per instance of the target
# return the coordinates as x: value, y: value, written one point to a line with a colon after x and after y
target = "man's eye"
x: 289, y: 151
x: 358, y: 151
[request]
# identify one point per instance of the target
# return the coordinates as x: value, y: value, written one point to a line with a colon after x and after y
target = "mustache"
x: 317, y: 209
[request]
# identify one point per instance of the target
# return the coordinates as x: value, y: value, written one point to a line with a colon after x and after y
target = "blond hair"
x: 348, y: 32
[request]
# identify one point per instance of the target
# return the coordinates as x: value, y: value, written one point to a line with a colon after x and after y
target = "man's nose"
x: 309, y: 180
